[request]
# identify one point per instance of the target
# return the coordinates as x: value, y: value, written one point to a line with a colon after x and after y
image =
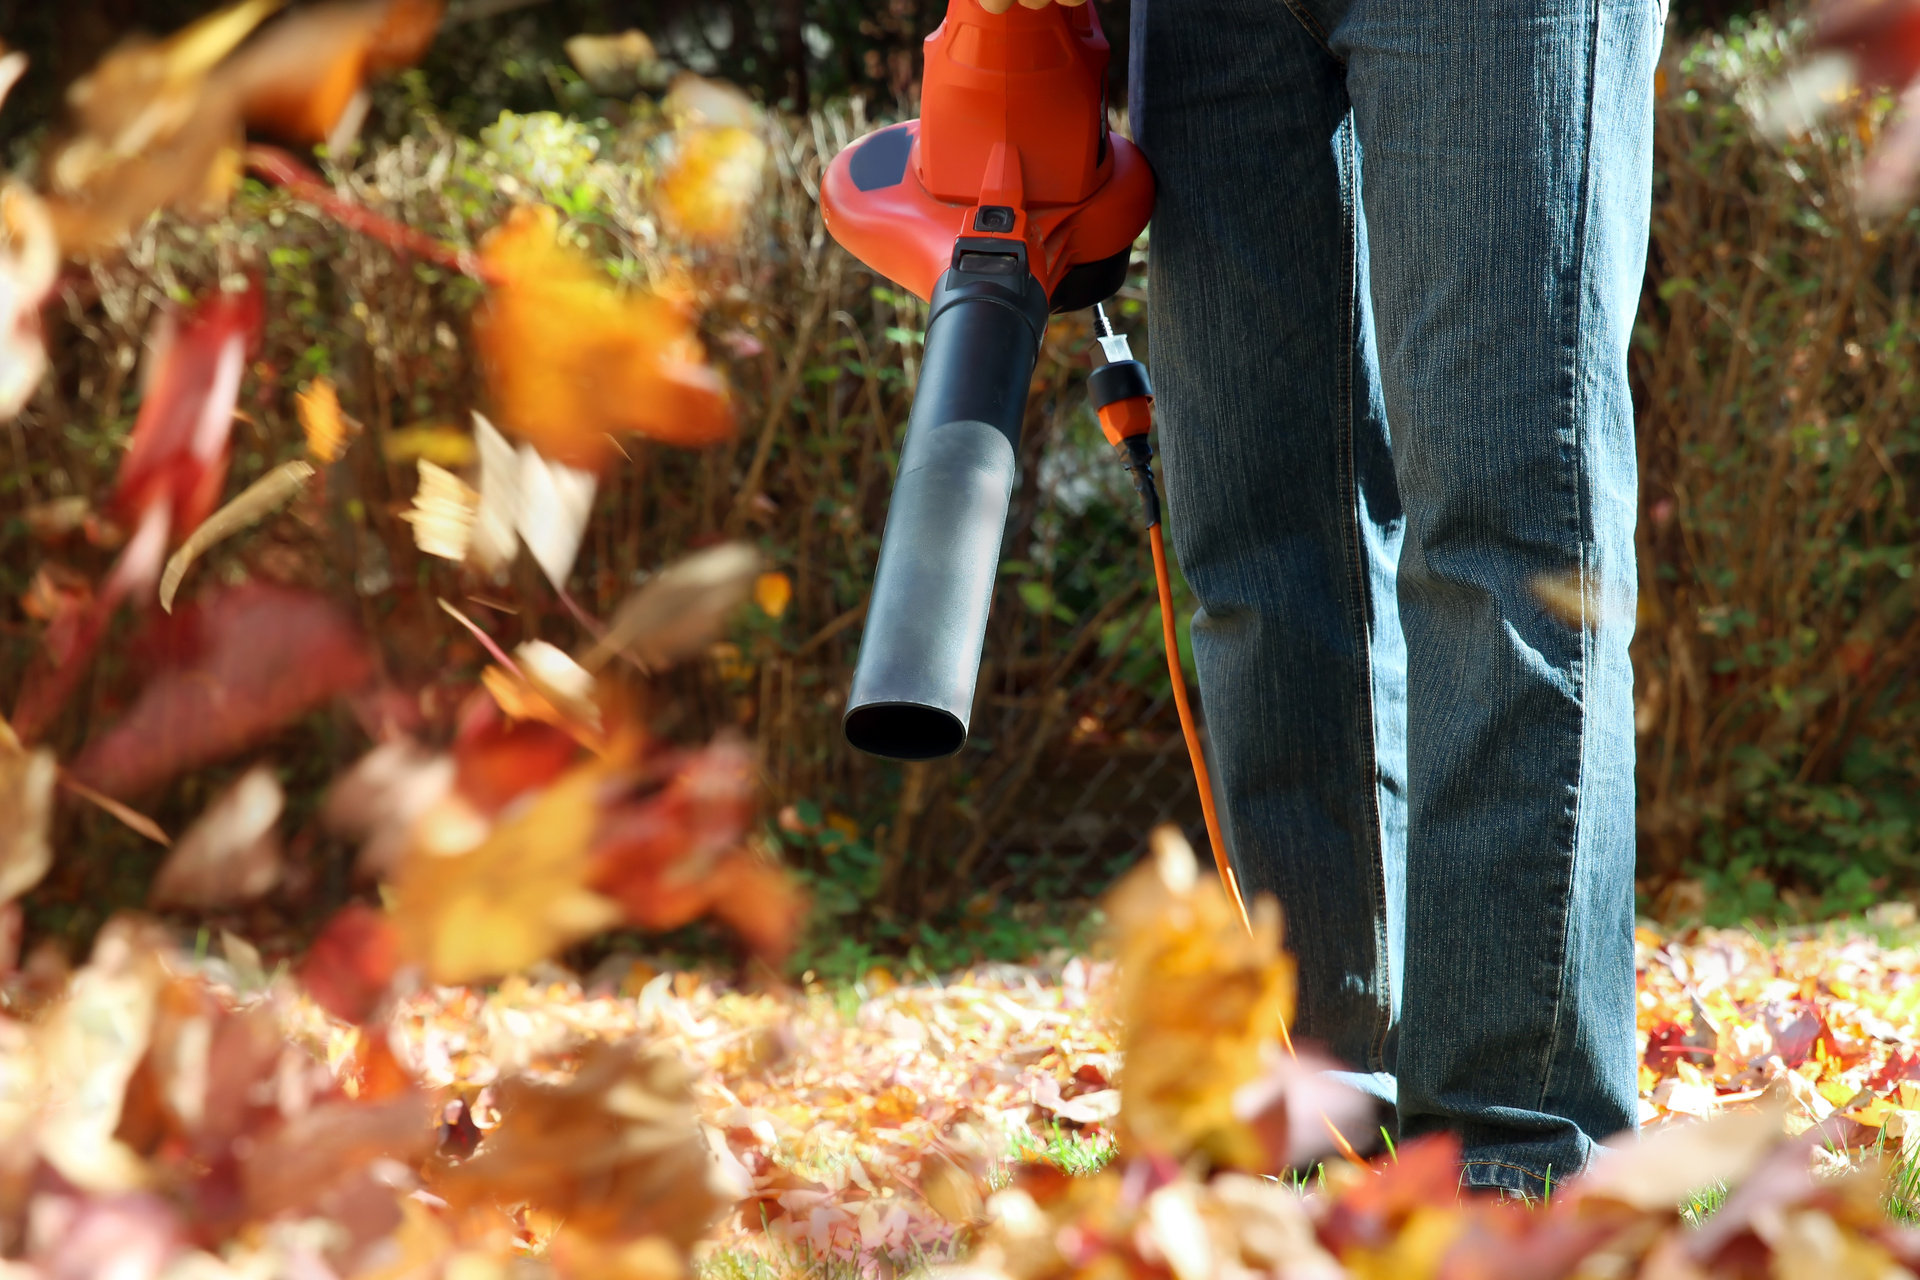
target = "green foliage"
x: 1779, y: 726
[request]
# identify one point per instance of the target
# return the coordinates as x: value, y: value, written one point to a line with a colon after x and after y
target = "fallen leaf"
x: 436, y: 442
x: 300, y: 77
x: 569, y: 360
x: 1203, y: 1000
x: 231, y: 854
x: 233, y: 671
x: 29, y: 262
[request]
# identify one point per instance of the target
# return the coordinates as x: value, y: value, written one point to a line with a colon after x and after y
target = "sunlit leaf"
x: 256, y: 501
x: 519, y: 897
x: 679, y: 610
x: 26, y: 813
x: 570, y: 360
x: 318, y: 408
x: 301, y: 76
x: 231, y: 853
x: 616, y: 65
x: 442, y: 513
x: 772, y: 592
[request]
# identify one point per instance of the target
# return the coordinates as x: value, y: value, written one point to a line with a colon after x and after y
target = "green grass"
x: 1080, y: 1154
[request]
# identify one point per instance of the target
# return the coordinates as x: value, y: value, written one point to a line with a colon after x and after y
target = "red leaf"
x: 233, y: 671
x: 351, y: 963
x: 179, y: 452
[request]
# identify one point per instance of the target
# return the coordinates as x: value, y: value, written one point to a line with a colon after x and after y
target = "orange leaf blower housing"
x: 1012, y: 146
x: 1007, y: 201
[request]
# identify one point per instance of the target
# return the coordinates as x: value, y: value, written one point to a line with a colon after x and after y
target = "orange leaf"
x: 350, y: 964
x: 299, y: 78
x: 570, y: 360
x: 773, y: 592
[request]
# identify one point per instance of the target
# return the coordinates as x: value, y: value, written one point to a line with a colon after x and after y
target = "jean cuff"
x: 1497, y: 1175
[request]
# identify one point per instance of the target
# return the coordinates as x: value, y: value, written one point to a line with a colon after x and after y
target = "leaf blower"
x: 1007, y: 201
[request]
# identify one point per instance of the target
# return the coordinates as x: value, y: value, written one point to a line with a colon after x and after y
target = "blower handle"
x: 913, y: 685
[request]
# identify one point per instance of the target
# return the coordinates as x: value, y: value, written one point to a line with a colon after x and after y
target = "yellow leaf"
x: 1200, y: 997
x: 717, y: 163
x: 773, y: 592
x: 318, y: 408
x: 438, y: 442
x: 519, y: 897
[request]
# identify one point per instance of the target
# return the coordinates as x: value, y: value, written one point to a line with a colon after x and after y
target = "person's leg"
x: 1508, y: 154
x: 1281, y: 496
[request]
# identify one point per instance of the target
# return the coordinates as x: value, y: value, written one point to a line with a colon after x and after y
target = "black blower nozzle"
x: 913, y: 686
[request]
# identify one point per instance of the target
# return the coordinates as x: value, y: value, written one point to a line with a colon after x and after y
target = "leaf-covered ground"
x: 833, y: 1104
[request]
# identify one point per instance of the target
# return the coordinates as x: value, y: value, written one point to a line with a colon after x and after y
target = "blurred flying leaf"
x: 1575, y: 601
x: 172, y: 474
x: 150, y: 127
x: 519, y: 897
x: 616, y: 1151
x: 176, y: 465
x: 616, y: 65
x: 679, y: 609
x: 301, y: 77
x: 351, y: 964
x: 569, y: 360
x: 437, y: 442
x: 326, y: 428
x: 230, y: 854
x: 674, y: 855
x: 379, y: 799
x: 232, y: 671
x: 556, y: 501
x: 1661, y: 1171
x: 160, y: 122
x: 495, y: 541
x: 1203, y: 999
x: 29, y: 262
x: 548, y: 686
x: 718, y: 159
x: 255, y: 501
x: 26, y: 814
x: 773, y: 592
x: 442, y: 513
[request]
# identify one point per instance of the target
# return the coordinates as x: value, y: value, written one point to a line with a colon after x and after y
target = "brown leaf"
x: 152, y: 127
x: 231, y: 854
x: 233, y: 671
x: 569, y: 360
x: 680, y: 609
x: 616, y: 1151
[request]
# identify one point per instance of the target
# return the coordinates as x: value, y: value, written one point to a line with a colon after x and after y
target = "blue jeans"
x: 1395, y: 264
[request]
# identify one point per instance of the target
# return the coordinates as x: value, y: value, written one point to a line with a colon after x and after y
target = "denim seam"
x: 1313, y: 28
x: 1469, y: 1165
x: 1359, y: 611
x: 1575, y: 403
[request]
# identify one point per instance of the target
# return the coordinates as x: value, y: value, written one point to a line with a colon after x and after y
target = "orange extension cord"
x: 1202, y: 779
